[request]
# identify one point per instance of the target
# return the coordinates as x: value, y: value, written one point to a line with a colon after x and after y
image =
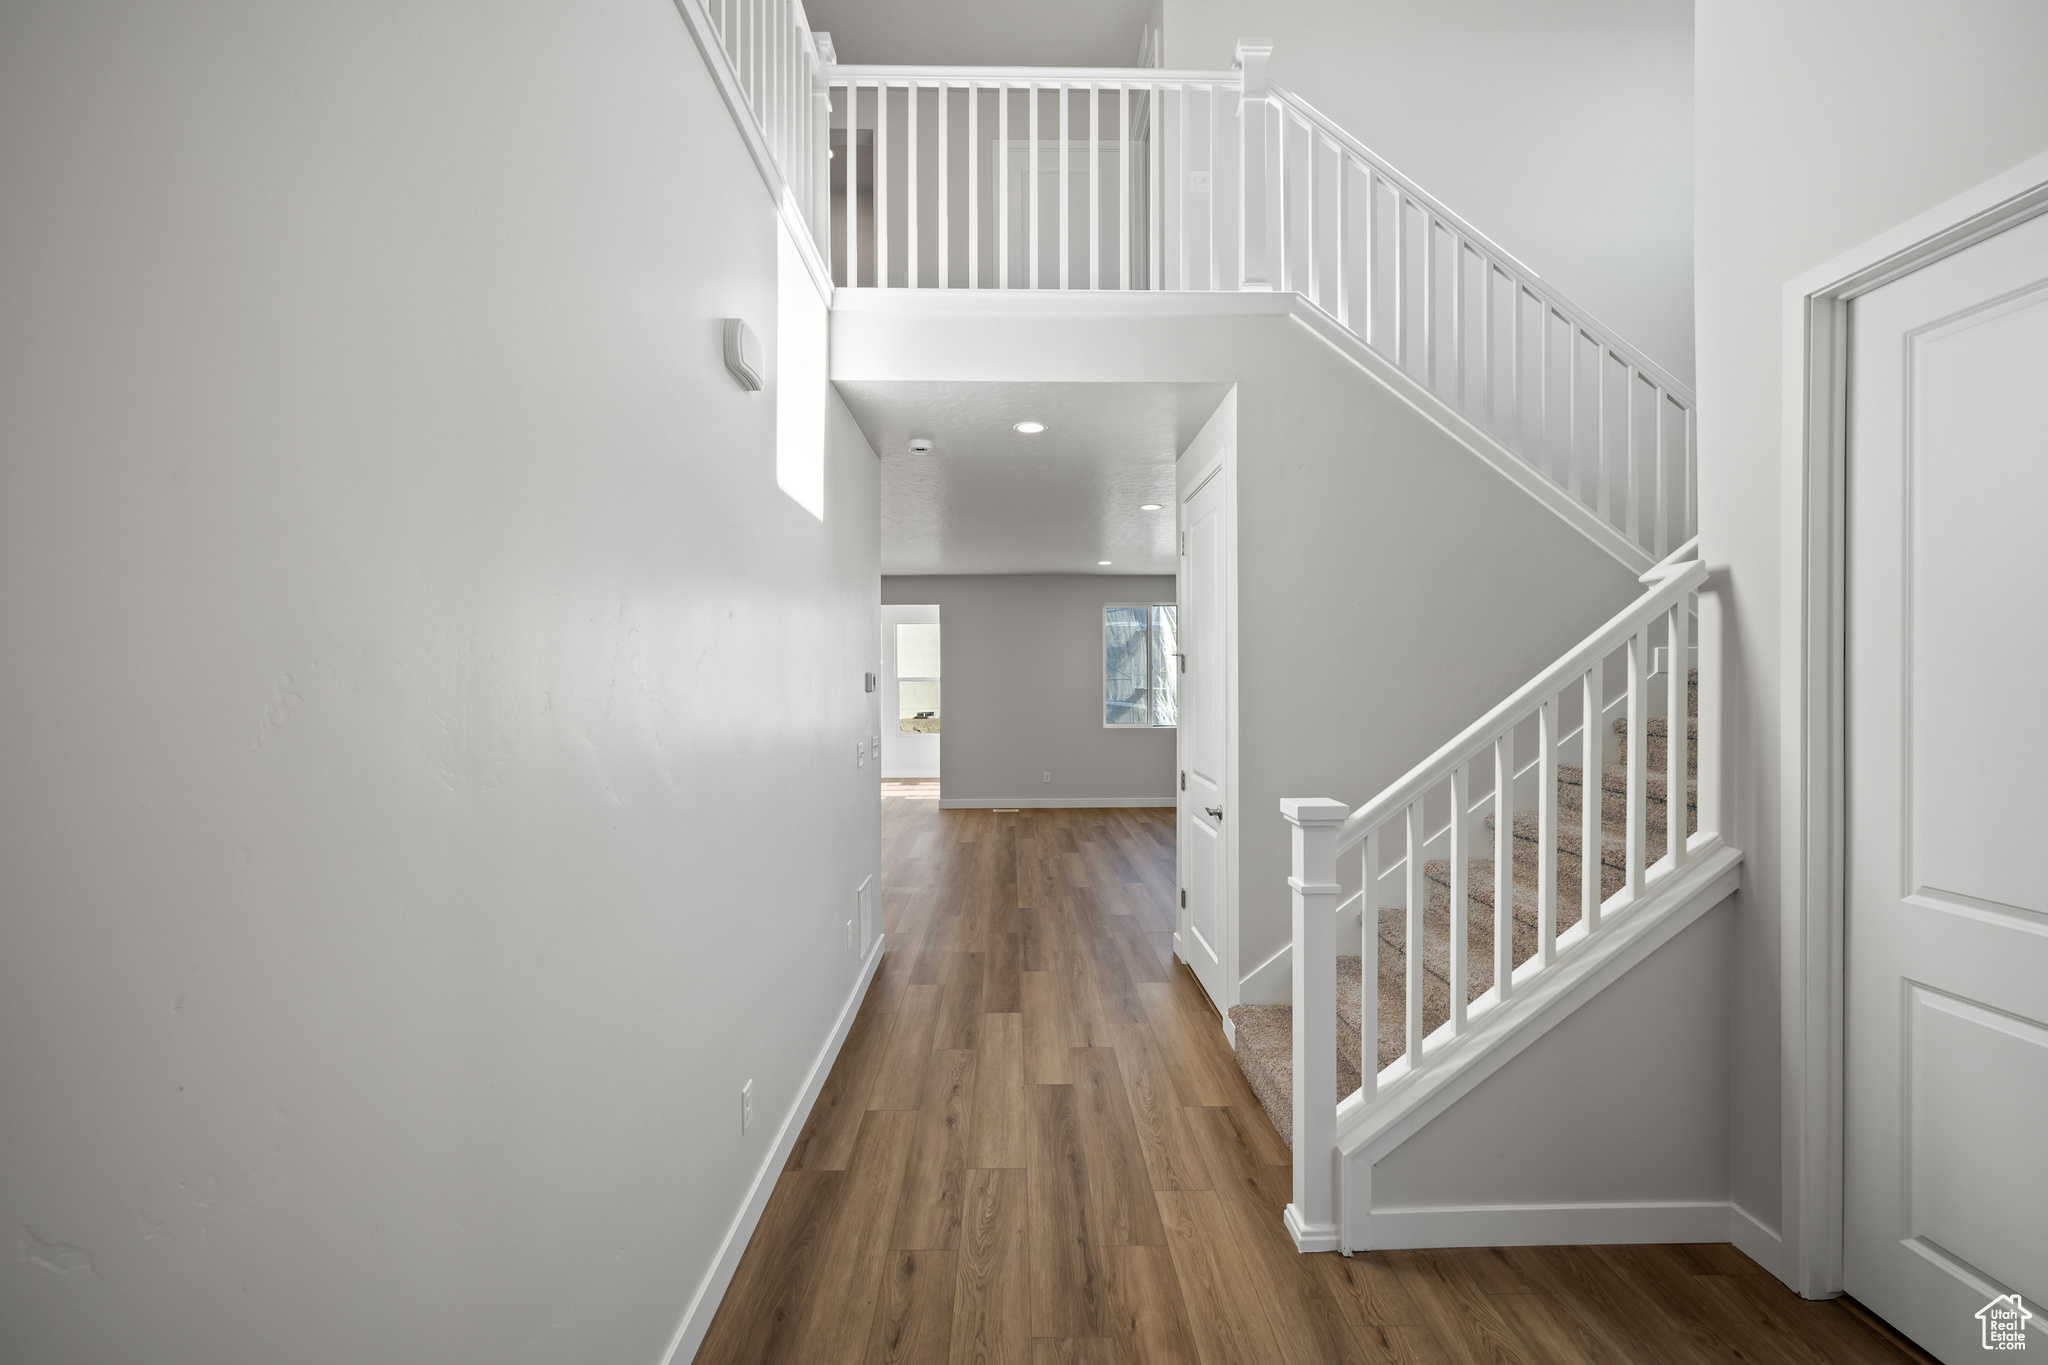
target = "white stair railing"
x: 1480, y: 330
x: 779, y: 67
x: 1325, y: 832
x: 1033, y: 178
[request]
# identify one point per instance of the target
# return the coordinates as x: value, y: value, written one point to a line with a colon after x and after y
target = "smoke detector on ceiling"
x: 920, y: 445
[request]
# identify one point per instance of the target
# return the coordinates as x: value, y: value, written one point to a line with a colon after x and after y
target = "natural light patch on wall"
x: 799, y: 379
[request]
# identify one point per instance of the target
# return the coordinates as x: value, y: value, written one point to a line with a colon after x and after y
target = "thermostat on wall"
x: 743, y: 354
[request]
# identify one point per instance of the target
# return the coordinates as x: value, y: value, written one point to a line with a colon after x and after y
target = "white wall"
x: 411, y: 666
x: 1561, y: 130
x: 1624, y: 1102
x: 1821, y: 124
x: 1023, y: 690
x: 906, y: 755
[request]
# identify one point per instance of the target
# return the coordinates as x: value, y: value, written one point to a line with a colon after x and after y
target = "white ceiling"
x: 989, y: 499
x: 983, y: 32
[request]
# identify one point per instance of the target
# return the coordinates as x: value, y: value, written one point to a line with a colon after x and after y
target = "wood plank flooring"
x: 1036, y: 1149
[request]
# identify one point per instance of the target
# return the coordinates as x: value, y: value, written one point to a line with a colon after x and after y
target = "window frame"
x: 902, y: 678
x: 1151, y: 722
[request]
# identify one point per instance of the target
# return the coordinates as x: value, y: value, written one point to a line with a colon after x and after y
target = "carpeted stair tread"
x: 1265, y: 1038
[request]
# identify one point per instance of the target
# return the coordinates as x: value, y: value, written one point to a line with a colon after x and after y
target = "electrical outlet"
x: 1198, y: 182
x: 1046, y: 777
x: 860, y: 754
x: 746, y: 1106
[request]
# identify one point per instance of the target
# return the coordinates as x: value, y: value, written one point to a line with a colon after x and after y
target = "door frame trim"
x: 1813, y: 584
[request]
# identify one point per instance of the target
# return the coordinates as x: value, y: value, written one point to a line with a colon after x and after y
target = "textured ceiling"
x: 983, y: 32
x: 989, y: 499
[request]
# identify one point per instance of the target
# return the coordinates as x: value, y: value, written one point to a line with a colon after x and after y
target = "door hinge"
x: 1183, y: 898
x: 1183, y: 542
x: 1183, y: 779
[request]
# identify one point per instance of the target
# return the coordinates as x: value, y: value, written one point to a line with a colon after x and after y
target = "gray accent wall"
x: 1023, y: 689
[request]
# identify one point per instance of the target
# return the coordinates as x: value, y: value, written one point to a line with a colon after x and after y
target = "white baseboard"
x: 704, y: 1304
x: 1527, y: 1225
x: 909, y: 775
x: 1049, y: 802
x: 1754, y: 1240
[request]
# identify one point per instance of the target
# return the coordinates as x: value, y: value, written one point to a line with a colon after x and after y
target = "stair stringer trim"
x: 1366, y: 1135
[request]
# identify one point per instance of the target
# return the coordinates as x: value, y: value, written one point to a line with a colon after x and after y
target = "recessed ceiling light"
x: 1031, y: 428
x: 1103, y: 563
x: 1148, y: 507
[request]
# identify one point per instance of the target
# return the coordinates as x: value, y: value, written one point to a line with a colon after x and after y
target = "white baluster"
x: 911, y: 272
x: 1215, y: 271
x: 1311, y: 1218
x: 1257, y: 238
x: 1369, y: 966
x: 1124, y: 271
x: 1676, y: 633
x: 1094, y: 186
x: 1343, y: 258
x: 944, y: 93
x: 1316, y: 191
x: 1034, y: 175
x: 1634, y: 760
x: 1461, y: 971
x: 881, y: 184
x: 1155, y: 198
x: 821, y: 163
x: 1590, y: 787
x: 1417, y: 898
x: 1183, y: 202
x: 1546, y: 832
x: 1002, y: 186
x: 973, y: 185
x: 1066, y: 147
x: 1503, y: 865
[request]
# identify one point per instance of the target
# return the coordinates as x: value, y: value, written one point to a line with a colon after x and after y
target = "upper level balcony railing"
x: 1141, y: 179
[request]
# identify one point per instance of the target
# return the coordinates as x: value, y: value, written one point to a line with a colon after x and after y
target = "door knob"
x: 1215, y: 812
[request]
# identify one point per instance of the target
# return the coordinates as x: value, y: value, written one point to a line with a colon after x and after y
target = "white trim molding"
x: 1813, y: 573
x: 704, y: 1303
x: 1052, y: 802
x: 1536, y: 1225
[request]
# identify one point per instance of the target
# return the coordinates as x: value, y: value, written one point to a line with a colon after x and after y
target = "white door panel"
x: 1204, y: 924
x: 1947, y: 887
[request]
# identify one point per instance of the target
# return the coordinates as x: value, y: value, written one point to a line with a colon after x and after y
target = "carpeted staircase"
x: 1265, y: 1033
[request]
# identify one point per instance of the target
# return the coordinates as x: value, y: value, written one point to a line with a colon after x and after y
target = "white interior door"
x: 1203, y: 922
x: 1947, y: 869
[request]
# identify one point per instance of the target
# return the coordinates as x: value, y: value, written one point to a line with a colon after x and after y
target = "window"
x: 1139, y: 665
x: 917, y: 678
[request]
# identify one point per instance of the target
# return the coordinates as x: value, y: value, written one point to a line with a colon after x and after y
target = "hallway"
x: 1036, y: 1147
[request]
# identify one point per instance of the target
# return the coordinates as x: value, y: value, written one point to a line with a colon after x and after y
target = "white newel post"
x: 1257, y: 204
x: 1312, y: 1217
